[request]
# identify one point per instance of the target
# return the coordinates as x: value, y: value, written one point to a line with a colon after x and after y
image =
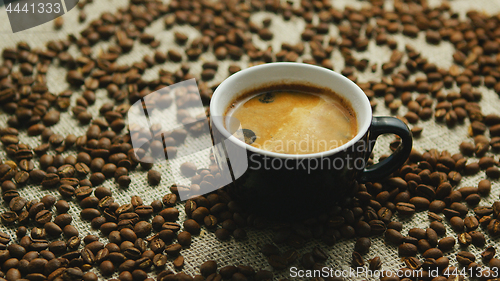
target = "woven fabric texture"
x: 206, y: 246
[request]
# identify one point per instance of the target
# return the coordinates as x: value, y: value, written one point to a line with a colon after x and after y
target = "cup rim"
x: 218, y: 122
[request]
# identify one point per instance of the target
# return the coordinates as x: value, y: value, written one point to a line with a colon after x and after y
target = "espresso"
x: 292, y: 119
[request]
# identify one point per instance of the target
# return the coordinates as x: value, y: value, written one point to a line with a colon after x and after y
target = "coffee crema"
x: 292, y: 119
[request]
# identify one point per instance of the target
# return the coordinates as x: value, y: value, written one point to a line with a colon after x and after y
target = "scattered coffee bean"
x: 154, y: 177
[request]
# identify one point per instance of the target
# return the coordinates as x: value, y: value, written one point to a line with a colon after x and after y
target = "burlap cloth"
x: 206, y: 246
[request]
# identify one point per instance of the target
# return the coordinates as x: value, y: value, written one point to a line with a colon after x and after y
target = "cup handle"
x: 388, y: 125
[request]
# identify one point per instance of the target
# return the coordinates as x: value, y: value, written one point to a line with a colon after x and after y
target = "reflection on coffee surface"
x: 292, y: 119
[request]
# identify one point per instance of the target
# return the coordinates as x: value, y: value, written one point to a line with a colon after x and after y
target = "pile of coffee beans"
x: 143, y: 241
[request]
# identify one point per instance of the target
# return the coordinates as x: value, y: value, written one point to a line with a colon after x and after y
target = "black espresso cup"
x: 288, y: 186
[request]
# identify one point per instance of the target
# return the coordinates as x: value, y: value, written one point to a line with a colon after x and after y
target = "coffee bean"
x: 188, y: 169
x: 488, y: 253
x: 142, y: 228
x: 457, y: 224
x: 277, y: 262
x: 107, y: 268
x: 412, y: 263
x: 62, y: 206
x: 417, y: 233
x: 484, y: 187
x: 478, y: 238
x: 17, y: 204
x: 170, y: 199
x: 173, y: 249
x: 51, y: 118
x: 407, y: 250
x: 207, y: 268
x: 50, y: 180
x: 52, y: 229
x: 494, y: 228
x: 433, y: 253
x: 432, y: 237
x: 362, y: 245
x: 179, y: 262
x: 124, y: 181
x: 471, y: 223
x: 357, y: 260
x: 405, y: 209
x: 393, y: 236
x: 222, y: 234
x: 154, y: 177
x: 184, y: 238
x: 174, y: 55
x: 199, y: 214
x: 43, y: 217
x: 465, y: 258
x: 192, y: 226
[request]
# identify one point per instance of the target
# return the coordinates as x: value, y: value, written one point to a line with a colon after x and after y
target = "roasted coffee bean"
x: 173, y: 250
x: 457, y: 224
x: 407, y: 250
x: 50, y: 180
x: 484, y: 187
x: 108, y: 170
x: 170, y: 214
x: 82, y: 169
x: 43, y: 217
x: 210, y: 221
x: 107, y: 268
x: 17, y: 204
x: 412, y: 263
x: 170, y: 199
x: 465, y: 258
x: 124, y: 181
x: 471, y: 223
x: 70, y: 231
x: 405, y: 209
x: 375, y: 263
x: 192, y: 226
x: 418, y: 233
x: 200, y: 213
x: 53, y: 229
x: 362, y: 245
x: 433, y: 253
x: 184, y: 238
x: 188, y: 169
x: 488, y: 253
x: 460, y: 208
x: 154, y: 177
x: 51, y: 118
x: 357, y: 260
x: 142, y: 228
x: 478, y: 238
x: 62, y: 206
x: 222, y: 234
x: 432, y: 237
x: 277, y: 262
x: 172, y: 226
x: 494, y: 228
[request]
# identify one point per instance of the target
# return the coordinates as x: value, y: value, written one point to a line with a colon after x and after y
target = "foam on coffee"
x: 292, y: 119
